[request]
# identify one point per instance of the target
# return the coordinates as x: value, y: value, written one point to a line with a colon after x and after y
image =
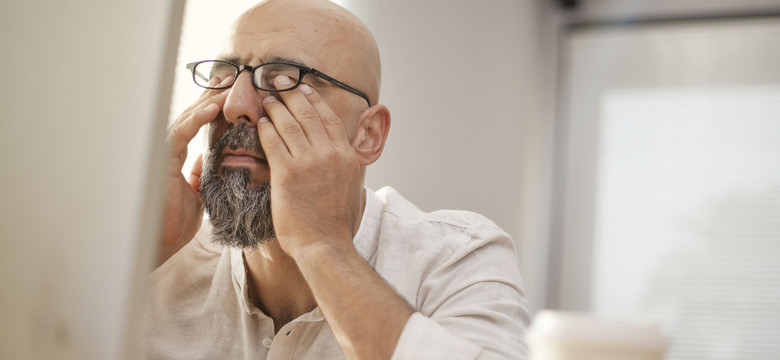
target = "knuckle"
x: 267, y: 139
x: 308, y: 115
x: 331, y: 156
x: 190, y: 109
x: 286, y: 175
x: 289, y: 127
x: 184, y: 115
x: 175, y: 132
x: 332, y: 119
x: 197, y: 105
x: 275, y: 141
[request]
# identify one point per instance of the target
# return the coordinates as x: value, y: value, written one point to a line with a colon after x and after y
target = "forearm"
x: 366, y: 315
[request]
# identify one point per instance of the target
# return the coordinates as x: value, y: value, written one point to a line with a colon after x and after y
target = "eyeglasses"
x: 210, y: 73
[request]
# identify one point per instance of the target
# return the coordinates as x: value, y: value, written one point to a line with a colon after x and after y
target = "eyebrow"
x: 230, y: 59
x: 285, y: 59
x: 237, y: 60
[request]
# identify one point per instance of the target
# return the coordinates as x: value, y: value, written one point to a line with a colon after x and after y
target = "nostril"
x: 245, y: 118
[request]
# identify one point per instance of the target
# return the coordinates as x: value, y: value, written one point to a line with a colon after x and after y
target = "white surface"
x: 580, y: 336
x: 83, y: 111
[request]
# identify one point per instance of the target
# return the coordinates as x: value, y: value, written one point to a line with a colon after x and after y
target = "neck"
x: 276, y: 285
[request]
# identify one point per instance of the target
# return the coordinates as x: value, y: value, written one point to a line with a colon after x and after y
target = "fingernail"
x: 264, y: 119
x: 269, y: 99
x: 306, y: 89
x: 211, y: 107
x: 283, y: 79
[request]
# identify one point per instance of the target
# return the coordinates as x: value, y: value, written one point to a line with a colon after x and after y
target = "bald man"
x: 298, y: 260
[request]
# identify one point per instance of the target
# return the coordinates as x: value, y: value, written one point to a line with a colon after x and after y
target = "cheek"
x: 216, y: 129
x: 351, y: 123
x: 350, y: 118
x: 347, y: 109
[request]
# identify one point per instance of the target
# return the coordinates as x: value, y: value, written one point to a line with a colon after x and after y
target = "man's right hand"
x: 184, y: 206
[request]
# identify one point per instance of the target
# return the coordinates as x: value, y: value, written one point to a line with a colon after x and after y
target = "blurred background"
x: 630, y: 147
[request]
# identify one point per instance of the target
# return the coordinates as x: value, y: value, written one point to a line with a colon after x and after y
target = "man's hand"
x: 316, y: 203
x: 316, y: 183
x: 184, y: 207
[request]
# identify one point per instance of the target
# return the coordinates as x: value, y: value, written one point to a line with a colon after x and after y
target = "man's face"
x: 279, y: 31
x: 235, y: 180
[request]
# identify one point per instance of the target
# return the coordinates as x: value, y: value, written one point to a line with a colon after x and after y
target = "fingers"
x: 304, y: 119
x: 187, y: 126
x: 195, y: 116
x: 329, y: 121
x: 286, y: 126
x: 185, y: 130
x: 208, y: 93
x: 276, y: 150
x: 299, y: 107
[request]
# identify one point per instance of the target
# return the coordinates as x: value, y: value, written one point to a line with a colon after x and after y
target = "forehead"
x: 262, y: 35
x: 253, y: 49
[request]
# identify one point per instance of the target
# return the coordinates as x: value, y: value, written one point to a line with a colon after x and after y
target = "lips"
x: 240, y: 157
x: 241, y: 152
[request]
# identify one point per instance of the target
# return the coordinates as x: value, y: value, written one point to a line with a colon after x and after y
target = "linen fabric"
x: 457, y: 269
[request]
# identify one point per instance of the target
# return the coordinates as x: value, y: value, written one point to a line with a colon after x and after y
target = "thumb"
x: 197, y: 169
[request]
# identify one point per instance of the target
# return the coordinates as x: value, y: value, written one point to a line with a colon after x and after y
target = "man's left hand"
x: 315, y: 174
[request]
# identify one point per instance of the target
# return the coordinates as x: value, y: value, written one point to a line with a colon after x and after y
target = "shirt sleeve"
x: 473, y: 304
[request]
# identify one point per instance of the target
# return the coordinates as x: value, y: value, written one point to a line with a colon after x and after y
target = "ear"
x: 371, y: 134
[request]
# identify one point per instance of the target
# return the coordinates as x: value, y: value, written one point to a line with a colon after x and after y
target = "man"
x: 297, y: 259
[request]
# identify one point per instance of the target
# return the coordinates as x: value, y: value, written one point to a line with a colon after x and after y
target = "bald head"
x: 316, y: 33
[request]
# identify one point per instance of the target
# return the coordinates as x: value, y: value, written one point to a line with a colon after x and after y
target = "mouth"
x: 240, y: 157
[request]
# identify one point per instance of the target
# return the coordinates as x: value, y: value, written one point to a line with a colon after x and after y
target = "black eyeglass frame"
x: 303, y: 70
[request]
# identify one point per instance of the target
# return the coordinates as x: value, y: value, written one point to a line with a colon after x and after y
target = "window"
x: 670, y: 202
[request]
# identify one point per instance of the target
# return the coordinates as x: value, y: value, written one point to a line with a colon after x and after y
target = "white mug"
x: 558, y: 335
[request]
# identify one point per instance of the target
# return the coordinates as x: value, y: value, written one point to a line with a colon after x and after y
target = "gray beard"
x: 240, y: 215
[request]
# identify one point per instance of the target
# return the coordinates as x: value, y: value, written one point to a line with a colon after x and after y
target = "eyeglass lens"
x: 211, y: 73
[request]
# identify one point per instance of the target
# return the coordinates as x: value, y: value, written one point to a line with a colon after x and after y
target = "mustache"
x: 238, y: 136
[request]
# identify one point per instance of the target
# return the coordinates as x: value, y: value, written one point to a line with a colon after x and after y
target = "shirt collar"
x: 365, y: 239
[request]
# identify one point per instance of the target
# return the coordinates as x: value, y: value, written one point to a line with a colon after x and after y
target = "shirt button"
x: 267, y: 343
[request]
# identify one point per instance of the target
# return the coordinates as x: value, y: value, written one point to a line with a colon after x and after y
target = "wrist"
x: 325, y: 250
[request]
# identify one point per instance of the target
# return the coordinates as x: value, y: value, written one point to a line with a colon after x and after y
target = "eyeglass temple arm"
x: 191, y: 67
x: 340, y: 84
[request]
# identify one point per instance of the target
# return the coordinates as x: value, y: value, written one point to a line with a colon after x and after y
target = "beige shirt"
x: 457, y: 269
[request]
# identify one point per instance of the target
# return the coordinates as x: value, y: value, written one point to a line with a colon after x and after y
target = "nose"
x: 244, y: 102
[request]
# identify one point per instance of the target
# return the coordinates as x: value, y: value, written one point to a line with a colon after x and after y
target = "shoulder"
x: 189, y: 273
x: 416, y: 244
x: 191, y: 295
x: 453, y: 228
x: 429, y: 257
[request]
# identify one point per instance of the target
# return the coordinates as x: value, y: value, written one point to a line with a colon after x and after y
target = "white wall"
x: 83, y: 106
x: 470, y: 86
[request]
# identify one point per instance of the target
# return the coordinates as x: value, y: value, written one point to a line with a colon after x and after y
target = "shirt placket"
x: 284, y: 343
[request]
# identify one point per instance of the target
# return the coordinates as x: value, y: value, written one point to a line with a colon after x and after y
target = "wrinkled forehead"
x: 312, y: 37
